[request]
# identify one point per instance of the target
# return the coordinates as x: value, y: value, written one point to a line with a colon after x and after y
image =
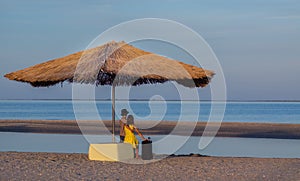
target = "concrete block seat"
x: 110, y: 151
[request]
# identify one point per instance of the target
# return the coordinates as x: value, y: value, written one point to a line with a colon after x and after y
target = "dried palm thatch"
x: 114, y: 63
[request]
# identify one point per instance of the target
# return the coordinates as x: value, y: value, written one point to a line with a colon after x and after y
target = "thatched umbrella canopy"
x: 104, y: 65
x: 108, y: 59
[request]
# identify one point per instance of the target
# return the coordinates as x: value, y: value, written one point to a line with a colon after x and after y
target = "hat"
x: 124, y: 112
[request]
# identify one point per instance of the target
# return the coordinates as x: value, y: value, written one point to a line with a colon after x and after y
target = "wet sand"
x: 53, y: 166
x: 244, y: 130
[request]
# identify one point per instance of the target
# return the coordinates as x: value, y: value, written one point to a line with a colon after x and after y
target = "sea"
x: 264, y: 112
x: 258, y: 112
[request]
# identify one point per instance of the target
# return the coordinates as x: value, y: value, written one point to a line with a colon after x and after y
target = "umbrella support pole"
x: 113, y: 112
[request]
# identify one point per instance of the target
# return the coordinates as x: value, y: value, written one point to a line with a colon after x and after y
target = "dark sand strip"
x: 246, y: 130
x: 53, y: 166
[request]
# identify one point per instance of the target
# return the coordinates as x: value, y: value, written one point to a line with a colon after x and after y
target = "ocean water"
x: 268, y: 112
x: 226, y: 147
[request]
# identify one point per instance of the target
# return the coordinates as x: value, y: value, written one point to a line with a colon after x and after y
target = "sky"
x: 257, y: 42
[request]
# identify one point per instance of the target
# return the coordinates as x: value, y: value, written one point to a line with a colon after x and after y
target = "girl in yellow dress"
x: 129, y: 129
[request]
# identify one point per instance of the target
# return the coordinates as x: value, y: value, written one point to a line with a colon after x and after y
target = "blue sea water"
x: 268, y: 112
x: 226, y: 147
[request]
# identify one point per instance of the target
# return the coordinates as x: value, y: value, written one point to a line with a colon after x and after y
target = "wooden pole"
x: 113, y: 112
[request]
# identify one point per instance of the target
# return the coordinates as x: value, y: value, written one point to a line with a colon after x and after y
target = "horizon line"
x: 205, y: 100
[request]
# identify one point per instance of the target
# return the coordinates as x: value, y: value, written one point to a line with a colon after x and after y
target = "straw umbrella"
x: 104, y: 65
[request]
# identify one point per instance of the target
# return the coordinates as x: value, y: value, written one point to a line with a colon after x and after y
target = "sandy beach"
x: 53, y: 166
x: 227, y: 129
x: 56, y: 166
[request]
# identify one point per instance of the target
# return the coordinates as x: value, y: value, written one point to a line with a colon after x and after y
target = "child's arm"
x: 139, y: 133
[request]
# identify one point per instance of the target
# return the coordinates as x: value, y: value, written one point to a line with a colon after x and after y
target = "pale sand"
x: 248, y: 130
x: 53, y: 166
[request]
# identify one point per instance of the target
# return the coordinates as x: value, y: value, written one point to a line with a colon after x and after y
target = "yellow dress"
x: 130, y: 137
